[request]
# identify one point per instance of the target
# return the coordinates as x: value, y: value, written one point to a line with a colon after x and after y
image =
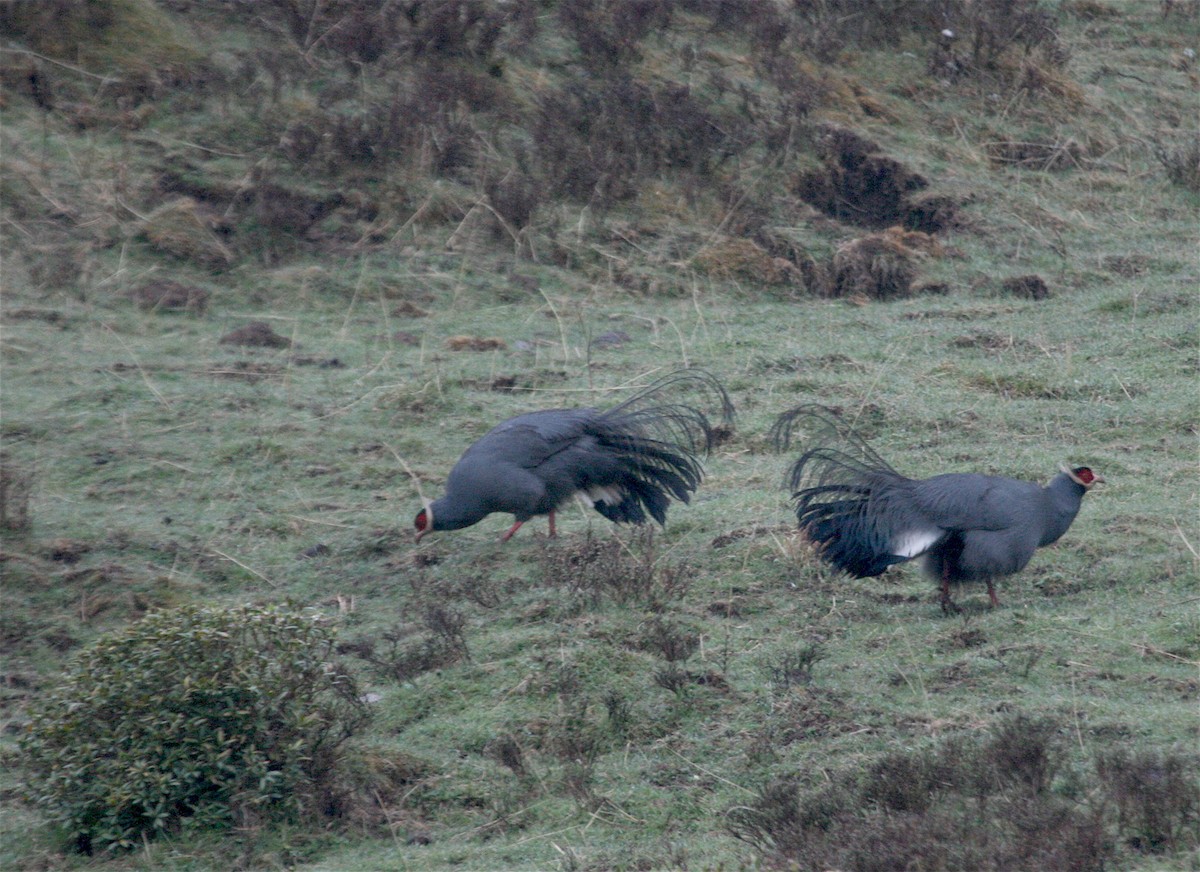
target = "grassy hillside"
x: 441, y: 215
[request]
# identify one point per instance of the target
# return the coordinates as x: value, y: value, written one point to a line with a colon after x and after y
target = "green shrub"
x: 207, y: 717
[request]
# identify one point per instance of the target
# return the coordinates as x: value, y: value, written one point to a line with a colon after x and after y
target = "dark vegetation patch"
x: 1037, y: 387
x: 727, y: 539
x: 1008, y: 800
x: 1181, y: 163
x: 475, y: 343
x: 834, y: 362
x: 1127, y: 265
x: 245, y: 370
x: 289, y: 177
x: 593, y: 569
x: 1037, y: 155
x: 26, y: 313
x: 16, y: 484
x: 881, y: 266
x: 990, y: 341
x: 1030, y: 287
x: 407, y: 651
x: 860, y: 185
x: 258, y: 334
x: 973, y: 313
x: 318, y: 362
x: 167, y: 295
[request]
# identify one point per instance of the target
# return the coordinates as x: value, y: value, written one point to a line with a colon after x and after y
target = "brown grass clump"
x: 475, y: 343
x: 1037, y: 155
x: 130, y: 37
x: 1181, y: 163
x: 733, y: 259
x: 170, y: 296
x: 15, y: 485
x: 183, y: 229
x: 1030, y: 287
x: 1046, y: 78
x: 878, y: 266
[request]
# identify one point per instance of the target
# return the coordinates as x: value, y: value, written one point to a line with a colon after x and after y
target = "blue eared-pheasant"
x: 627, y: 463
x: 863, y: 516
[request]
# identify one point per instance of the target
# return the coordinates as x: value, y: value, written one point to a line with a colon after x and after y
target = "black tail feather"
x: 677, y: 424
x: 837, y: 486
x: 656, y: 444
x: 653, y: 473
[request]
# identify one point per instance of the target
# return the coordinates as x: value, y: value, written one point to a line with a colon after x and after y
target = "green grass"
x: 169, y: 468
x: 183, y: 482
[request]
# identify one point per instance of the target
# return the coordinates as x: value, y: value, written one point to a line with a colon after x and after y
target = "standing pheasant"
x: 627, y: 463
x: 863, y: 516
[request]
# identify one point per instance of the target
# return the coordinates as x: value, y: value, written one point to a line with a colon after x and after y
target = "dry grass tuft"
x: 183, y: 228
x: 257, y: 333
x: 15, y: 486
x: 475, y: 343
x: 745, y: 260
x: 170, y: 296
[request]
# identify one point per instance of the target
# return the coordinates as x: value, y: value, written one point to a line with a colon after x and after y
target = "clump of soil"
x: 860, y: 185
x: 408, y: 309
x: 1031, y: 287
x: 258, y: 334
x: 475, y: 343
x: 722, y: 433
x: 880, y: 266
x: 171, y: 296
x: 1127, y: 266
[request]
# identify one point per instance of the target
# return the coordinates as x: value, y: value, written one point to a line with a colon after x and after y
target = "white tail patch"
x: 915, y: 542
x: 597, y: 494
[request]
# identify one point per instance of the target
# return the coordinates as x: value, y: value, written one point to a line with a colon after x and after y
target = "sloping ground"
x: 267, y: 278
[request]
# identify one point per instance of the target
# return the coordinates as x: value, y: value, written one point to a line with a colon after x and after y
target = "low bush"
x: 204, y: 717
x: 1009, y: 800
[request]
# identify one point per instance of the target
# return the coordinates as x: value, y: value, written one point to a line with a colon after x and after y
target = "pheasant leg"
x: 948, y: 606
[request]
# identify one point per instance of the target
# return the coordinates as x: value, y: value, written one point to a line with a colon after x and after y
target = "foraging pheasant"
x: 863, y: 516
x: 627, y: 463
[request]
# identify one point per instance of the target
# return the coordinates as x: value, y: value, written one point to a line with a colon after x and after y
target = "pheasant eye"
x: 421, y: 520
x: 1085, y: 475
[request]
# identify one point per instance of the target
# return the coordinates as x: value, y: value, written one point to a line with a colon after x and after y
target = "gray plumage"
x: 864, y: 516
x: 628, y: 462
